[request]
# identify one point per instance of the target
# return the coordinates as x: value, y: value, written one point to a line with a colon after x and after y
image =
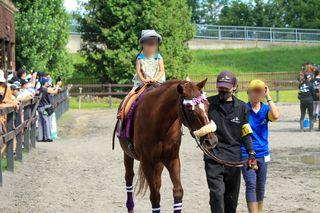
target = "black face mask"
x: 223, y: 95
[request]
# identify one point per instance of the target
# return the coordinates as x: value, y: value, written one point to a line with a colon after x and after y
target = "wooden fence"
x: 115, y: 92
x: 21, y: 125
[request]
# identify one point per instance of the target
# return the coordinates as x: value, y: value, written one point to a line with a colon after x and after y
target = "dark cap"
x: 226, y: 79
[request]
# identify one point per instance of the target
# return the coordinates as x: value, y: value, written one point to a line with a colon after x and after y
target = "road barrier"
x: 20, y: 125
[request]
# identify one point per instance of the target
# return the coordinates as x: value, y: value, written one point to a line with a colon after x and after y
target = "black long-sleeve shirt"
x: 230, y: 118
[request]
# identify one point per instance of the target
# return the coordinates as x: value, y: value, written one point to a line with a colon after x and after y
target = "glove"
x: 252, y: 162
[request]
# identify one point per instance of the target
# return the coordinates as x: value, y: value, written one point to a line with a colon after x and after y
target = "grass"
x: 93, y: 104
x: 286, y: 96
x: 276, y: 59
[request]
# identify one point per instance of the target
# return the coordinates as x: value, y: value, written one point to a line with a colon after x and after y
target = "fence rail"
x: 21, y: 125
x: 115, y: 92
x: 269, y: 34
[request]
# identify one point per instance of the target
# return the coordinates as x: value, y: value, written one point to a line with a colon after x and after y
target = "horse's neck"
x: 167, y: 108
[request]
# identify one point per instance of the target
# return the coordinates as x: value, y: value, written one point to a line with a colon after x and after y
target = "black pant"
x: 224, y: 185
x: 303, y: 108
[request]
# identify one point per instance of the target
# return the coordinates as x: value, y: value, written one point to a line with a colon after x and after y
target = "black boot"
x: 301, y: 126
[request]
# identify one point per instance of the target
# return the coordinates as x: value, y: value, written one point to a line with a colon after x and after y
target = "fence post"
x: 10, y: 155
x: 219, y: 32
x: 80, y: 92
x: 19, y: 136
x: 270, y: 34
x: 277, y: 95
x: 26, y: 129
x: 1, y: 166
x: 296, y: 35
x: 33, y: 126
x: 110, y: 96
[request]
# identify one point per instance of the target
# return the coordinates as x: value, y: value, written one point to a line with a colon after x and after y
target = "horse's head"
x: 194, y: 108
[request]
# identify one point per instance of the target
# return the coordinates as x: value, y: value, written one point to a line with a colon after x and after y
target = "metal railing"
x: 269, y: 34
x: 20, y: 125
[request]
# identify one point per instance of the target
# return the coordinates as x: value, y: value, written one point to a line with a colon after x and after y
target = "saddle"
x: 128, y: 101
x: 124, y: 127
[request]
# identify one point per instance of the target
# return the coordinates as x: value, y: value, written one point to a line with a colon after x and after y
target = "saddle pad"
x: 125, y: 130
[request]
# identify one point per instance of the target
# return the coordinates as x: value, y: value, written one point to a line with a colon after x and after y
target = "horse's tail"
x: 141, y: 184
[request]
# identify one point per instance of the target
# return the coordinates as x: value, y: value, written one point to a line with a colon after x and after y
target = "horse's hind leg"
x: 174, y: 170
x: 128, y: 163
x: 153, y: 177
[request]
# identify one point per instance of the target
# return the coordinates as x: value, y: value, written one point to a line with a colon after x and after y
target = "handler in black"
x: 232, y: 119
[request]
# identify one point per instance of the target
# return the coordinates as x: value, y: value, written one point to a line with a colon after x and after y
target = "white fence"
x: 257, y: 33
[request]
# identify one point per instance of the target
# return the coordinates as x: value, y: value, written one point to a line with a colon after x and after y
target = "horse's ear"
x: 201, y: 84
x: 180, y: 89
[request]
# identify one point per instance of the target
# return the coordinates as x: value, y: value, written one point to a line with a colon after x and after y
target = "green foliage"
x: 111, y: 30
x: 42, y: 34
x: 280, y: 59
x: 259, y: 13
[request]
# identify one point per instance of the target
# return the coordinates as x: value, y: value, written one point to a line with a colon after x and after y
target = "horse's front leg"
x: 173, y: 167
x: 128, y: 163
x: 153, y: 177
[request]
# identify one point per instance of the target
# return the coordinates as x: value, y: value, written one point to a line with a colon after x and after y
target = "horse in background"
x: 158, y: 120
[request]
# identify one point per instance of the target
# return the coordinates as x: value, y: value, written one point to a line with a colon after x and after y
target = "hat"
x: 15, y: 85
x: 44, y: 80
x: 256, y: 84
x: 2, y: 78
x: 226, y: 79
x: 147, y: 34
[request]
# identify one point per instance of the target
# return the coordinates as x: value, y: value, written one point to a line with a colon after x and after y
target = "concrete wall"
x: 210, y: 44
x: 75, y: 42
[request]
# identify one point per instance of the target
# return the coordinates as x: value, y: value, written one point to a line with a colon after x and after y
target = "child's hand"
x: 153, y: 80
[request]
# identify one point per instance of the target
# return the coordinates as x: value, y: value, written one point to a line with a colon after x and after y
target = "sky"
x: 72, y: 5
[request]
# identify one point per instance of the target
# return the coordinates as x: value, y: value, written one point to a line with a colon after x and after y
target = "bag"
x: 54, y: 132
x: 49, y: 110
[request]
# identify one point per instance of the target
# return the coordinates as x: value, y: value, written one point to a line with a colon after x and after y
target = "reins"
x: 204, y: 149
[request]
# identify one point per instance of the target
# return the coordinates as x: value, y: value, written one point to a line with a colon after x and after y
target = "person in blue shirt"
x: 260, y: 114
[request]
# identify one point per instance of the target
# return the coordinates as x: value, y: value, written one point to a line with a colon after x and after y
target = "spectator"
x: 46, y: 108
x: 306, y: 96
x: 25, y: 92
x: 316, y: 99
x: 15, y: 88
x: 6, y: 93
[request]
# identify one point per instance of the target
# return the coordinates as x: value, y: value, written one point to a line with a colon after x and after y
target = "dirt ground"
x: 80, y: 172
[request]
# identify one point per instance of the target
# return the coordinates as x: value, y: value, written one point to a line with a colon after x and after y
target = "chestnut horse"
x: 157, y: 137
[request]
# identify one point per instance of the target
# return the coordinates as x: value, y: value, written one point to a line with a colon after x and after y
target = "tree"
x: 237, y: 14
x: 41, y: 36
x: 301, y: 13
x: 111, y: 30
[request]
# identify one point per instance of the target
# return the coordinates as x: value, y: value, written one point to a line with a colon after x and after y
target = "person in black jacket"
x: 306, y: 95
x: 233, y: 129
x: 316, y: 98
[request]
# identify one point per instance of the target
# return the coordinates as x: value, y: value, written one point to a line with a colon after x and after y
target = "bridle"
x: 186, y: 121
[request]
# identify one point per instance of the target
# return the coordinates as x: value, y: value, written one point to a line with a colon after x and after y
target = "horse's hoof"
x: 131, y: 211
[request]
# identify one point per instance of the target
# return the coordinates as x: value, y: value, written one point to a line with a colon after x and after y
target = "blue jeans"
x: 255, y: 181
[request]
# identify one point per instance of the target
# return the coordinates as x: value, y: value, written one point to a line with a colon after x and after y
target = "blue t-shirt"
x: 259, y: 124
